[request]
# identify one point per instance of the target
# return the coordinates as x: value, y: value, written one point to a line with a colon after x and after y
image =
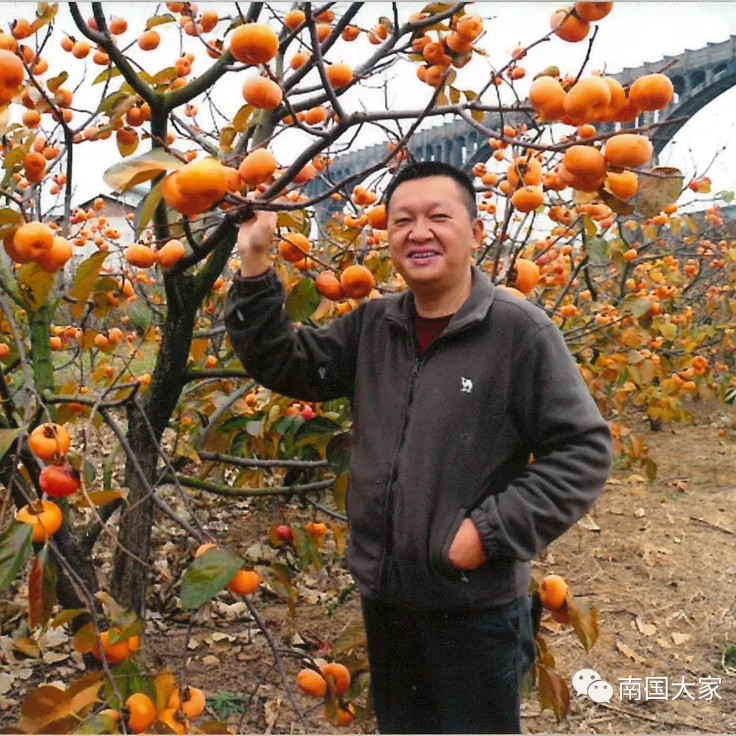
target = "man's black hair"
x: 424, y: 169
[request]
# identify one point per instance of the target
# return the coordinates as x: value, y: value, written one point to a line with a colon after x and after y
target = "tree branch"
x: 224, y: 490
x: 104, y: 40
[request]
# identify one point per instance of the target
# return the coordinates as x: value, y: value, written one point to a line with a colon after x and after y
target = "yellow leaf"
x: 126, y: 174
x: 83, y: 692
x: 199, y: 348
x: 29, y: 647
x: 84, y: 640
x: 657, y: 192
x: 98, y: 498
x: 184, y: 449
x: 164, y: 684
x: 44, y: 705
x: 35, y: 285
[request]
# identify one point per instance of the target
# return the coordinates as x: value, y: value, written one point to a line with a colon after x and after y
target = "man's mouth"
x: 419, y: 255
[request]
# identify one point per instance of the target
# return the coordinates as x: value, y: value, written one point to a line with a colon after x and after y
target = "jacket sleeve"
x: 307, y: 363
x: 571, y: 443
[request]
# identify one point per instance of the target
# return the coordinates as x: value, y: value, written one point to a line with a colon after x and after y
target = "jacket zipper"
x: 388, y: 513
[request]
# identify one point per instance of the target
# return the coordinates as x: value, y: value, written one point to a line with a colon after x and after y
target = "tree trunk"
x: 129, y: 578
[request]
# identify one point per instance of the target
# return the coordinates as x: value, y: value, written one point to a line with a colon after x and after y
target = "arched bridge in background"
x: 699, y: 76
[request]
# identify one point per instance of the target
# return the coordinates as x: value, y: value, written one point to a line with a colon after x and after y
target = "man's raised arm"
x: 311, y: 364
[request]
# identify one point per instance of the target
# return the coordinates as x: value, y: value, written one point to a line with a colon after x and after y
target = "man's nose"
x: 421, y: 230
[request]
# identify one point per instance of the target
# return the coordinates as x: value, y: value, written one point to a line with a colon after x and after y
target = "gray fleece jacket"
x: 440, y: 437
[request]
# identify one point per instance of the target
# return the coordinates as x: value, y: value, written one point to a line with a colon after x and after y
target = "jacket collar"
x: 401, y: 309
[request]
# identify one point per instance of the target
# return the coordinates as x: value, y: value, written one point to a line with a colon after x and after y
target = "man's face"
x: 430, y: 232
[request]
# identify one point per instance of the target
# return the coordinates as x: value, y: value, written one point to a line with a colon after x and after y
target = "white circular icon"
x: 600, y: 691
x: 583, y: 679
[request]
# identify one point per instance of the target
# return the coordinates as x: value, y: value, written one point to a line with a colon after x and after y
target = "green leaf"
x: 728, y: 658
x: 478, y: 115
x: 84, y: 281
x: 65, y: 616
x: 35, y: 285
x: 169, y: 74
x: 454, y: 95
x: 657, y: 192
x: 113, y: 100
x: 598, y: 250
x: 550, y: 71
x: 303, y: 300
x: 135, y: 628
x: 302, y: 545
x: 338, y: 452
x: 650, y: 469
x: 280, y: 580
x: 126, y: 174
x: 145, y: 209
x: 241, y: 117
x: 159, y: 20
x: 41, y: 589
x: 637, y: 306
x: 106, y: 74
x: 128, y: 680
x: 15, y: 546
x: 54, y: 83
x: 297, y: 220
x: 98, y: 723
x: 668, y: 330
x: 207, y: 576
x: 14, y: 158
x: 89, y: 472
x: 316, y: 432
x: 7, y: 438
x: 727, y: 197
x: 351, y: 637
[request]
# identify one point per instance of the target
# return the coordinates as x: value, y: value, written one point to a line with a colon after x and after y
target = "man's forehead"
x: 426, y: 192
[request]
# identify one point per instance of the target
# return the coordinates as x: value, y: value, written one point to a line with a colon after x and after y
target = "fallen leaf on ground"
x: 630, y: 653
x: 646, y: 629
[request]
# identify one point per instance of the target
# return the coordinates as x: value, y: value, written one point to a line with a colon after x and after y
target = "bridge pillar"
x: 449, y: 152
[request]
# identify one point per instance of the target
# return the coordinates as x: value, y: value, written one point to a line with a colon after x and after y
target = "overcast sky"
x: 633, y: 33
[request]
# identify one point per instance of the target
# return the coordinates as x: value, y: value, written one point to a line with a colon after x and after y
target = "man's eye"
x: 401, y: 221
x: 440, y: 216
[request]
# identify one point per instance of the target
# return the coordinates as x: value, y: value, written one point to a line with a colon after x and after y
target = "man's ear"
x: 478, y: 230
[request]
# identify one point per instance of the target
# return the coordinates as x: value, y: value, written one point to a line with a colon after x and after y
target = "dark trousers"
x: 448, y: 671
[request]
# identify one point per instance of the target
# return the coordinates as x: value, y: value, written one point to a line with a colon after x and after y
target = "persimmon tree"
x: 578, y: 221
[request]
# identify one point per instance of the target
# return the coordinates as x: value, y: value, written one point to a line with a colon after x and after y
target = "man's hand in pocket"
x: 466, y: 551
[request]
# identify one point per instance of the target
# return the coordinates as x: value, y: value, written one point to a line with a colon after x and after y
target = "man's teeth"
x: 423, y: 255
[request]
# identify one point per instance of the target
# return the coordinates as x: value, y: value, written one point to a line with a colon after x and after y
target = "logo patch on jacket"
x: 466, y: 385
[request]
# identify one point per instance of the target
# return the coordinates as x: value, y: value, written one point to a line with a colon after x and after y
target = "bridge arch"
x: 699, y: 96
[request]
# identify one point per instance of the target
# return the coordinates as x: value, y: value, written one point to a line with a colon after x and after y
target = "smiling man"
x: 453, y: 384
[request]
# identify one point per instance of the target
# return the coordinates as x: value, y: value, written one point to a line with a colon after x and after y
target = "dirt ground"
x: 658, y: 561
